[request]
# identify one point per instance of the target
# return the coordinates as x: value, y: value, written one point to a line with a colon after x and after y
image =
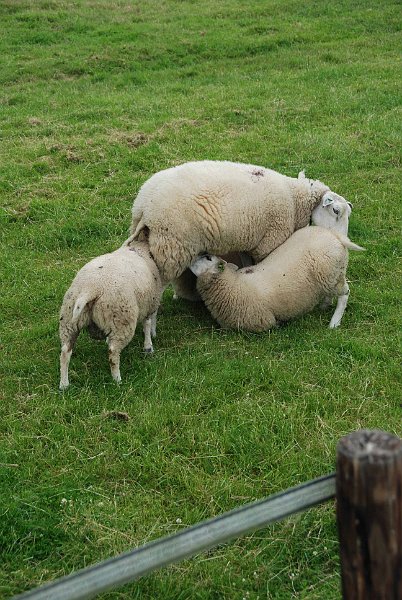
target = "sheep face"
x: 333, y: 212
x: 206, y: 264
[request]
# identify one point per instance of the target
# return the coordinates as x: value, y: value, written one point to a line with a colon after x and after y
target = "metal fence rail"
x: 131, y: 565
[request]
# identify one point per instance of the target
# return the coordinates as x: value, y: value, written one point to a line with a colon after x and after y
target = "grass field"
x: 95, y: 97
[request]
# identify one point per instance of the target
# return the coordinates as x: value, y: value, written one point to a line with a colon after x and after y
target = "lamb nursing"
x: 308, y: 268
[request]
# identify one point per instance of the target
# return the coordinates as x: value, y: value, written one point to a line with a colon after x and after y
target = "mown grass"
x: 95, y: 97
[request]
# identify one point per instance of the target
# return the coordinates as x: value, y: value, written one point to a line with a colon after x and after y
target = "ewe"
x: 220, y: 207
x: 108, y: 296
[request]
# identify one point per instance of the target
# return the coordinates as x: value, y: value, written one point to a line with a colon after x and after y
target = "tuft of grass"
x: 96, y: 96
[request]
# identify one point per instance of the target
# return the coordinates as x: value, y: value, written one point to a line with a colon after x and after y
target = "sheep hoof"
x: 63, y: 387
x: 334, y: 325
x: 148, y: 351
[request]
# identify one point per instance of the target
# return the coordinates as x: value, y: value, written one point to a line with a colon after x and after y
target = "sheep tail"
x: 345, y: 241
x: 79, y: 306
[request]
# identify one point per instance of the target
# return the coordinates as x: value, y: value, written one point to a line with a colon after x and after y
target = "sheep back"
x: 122, y: 286
x: 219, y: 207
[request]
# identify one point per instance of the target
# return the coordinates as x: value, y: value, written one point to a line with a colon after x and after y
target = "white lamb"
x: 308, y: 268
x: 108, y: 296
x: 220, y: 207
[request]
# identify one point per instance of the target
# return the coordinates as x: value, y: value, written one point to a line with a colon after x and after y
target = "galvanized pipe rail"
x: 131, y: 565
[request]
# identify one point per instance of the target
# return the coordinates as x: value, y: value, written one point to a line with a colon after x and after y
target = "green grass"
x: 95, y: 97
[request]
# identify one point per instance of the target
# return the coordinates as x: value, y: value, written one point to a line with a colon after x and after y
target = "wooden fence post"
x: 369, y: 515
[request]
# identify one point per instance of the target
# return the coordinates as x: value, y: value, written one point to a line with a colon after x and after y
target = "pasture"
x: 96, y: 96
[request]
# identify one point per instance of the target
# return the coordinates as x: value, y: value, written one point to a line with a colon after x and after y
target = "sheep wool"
x: 108, y: 296
x: 308, y: 268
x: 220, y: 207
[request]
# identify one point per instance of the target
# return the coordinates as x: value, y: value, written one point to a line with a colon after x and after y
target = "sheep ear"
x: 350, y: 204
x: 232, y: 267
x: 327, y: 200
x: 301, y: 175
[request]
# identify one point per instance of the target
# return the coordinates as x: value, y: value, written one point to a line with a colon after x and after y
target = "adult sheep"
x: 220, y: 207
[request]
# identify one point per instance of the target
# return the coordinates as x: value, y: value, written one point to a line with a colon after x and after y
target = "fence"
x: 368, y: 488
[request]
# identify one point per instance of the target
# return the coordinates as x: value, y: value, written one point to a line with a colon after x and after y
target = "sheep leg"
x: 68, y: 341
x: 116, y: 344
x: 170, y: 255
x: 340, y: 307
x: 114, y: 361
x: 185, y: 287
x: 147, y: 326
x: 153, y: 324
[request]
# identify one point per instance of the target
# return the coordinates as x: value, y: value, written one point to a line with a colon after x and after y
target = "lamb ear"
x: 231, y: 266
x: 301, y: 175
x: 350, y: 204
x: 327, y: 200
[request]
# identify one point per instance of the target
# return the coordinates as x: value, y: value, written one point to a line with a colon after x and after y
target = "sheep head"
x: 207, y: 264
x: 333, y: 212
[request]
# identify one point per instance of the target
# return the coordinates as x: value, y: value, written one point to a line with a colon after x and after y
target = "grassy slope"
x: 95, y: 97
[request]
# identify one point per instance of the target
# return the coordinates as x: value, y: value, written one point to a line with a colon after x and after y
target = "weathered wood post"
x: 369, y: 515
